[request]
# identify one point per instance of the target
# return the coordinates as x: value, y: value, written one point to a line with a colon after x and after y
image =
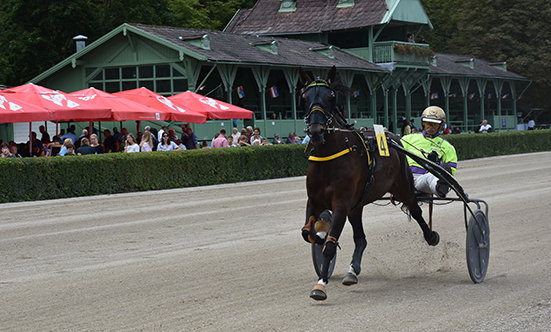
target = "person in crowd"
x: 172, y: 135
x: 45, y: 139
x: 161, y: 132
x: 166, y: 144
x: 78, y: 142
x: 85, y: 147
x: 243, y: 141
x: 531, y: 124
x: 231, y: 143
x: 290, y: 138
x: 306, y: 139
x: 57, y: 140
x: 110, y: 142
x: 118, y: 135
x: 6, y: 153
x: 70, y: 134
x: 139, y: 136
x: 412, y: 125
x: 235, y: 134
x: 205, y: 145
x: 485, y: 127
x: 256, y: 135
x: 153, y: 137
x: 64, y: 147
x: 406, y: 127
x: 434, y: 148
x: 70, y: 150
x: 189, y: 139
x: 15, y: 151
x: 180, y: 144
x: 264, y: 141
x: 131, y: 144
x: 250, y: 133
x: 220, y: 141
x: 146, y: 145
x: 297, y: 140
x: 277, y: 139
x: 94, y: 143
x: 256, y: 142
x: 410, y: 38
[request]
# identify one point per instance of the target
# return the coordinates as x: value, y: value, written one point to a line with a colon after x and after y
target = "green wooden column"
x: 228, y: 73
x: 292, y: 77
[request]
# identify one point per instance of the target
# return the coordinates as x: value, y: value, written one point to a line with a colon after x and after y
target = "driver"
x: 433, y: 147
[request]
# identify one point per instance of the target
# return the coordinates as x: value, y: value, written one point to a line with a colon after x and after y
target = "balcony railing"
x: 395, y: 51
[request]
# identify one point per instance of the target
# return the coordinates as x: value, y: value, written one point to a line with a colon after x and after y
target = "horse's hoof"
x: 318, y: 293
x: 350, y: 279
x: 434, y: 239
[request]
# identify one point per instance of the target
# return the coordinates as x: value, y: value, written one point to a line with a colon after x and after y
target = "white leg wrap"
x: 321, y: 282
x: 351, y: 270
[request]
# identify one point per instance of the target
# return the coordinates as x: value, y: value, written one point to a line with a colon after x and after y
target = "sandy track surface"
x: 231, y: 258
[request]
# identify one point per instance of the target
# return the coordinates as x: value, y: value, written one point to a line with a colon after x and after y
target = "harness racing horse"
x: 343, y: 176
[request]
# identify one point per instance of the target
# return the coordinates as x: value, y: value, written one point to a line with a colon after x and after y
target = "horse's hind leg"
x: 355, y: 218
x: 407, y: 196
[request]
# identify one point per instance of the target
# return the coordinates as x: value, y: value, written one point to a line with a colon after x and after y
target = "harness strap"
x: 331, y: 157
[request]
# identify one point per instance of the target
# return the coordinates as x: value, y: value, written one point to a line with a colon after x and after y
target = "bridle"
x: 318, y: 110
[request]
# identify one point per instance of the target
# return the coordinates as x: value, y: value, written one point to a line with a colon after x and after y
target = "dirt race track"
x: 231, y: 258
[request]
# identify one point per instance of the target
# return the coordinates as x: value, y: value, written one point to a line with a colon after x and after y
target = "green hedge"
x: 61, y: 177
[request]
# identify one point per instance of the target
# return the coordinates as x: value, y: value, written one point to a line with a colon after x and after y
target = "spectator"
x: 189, y: 139
x: 117, y: 135
x: 70, y: 150
x: 276, y: 139
x: 37, y: 147
x: 406, y: 127
x: 6, y: 153
x: 231, y: 142
x: 94, y: 143
x: 166, y: 144
x: 255, y: 142
x: 220, y: 141
x: 110, y: 142
x: 65, y: 146
x: 250, y: 133
x: 531, y: 124
x: 290, y: 138
x: 131, y: 144
x: 485, y: 127
x: 14, y: 150
x: 146, y: 145
x: 179, y: 143
x: 297, y: 140
x: 264, y: 141
x: 45, y: 139
x: 70, y: 134
x: 256, y: 135
x: 85, y: 148
x: 139, y: 137
x: 153, y: 138
x: 205, y: 145
x: 243, y: 141
x: 161, y: 132
x: 235, y: 134
x: 410, y: 38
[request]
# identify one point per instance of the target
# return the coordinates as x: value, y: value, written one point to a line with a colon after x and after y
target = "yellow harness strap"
x: 331, y: 157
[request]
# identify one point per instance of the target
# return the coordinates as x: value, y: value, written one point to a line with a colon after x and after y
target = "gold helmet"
x: 434, y: 114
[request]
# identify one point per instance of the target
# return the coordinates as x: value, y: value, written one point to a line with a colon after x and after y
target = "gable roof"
x: 264, y: 17
x: 461, y: 65
x: 246, y: 49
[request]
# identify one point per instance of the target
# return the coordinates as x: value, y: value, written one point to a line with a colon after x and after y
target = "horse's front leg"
x: 329, y: 249
x: 313, y: 212
x: 355, y: 219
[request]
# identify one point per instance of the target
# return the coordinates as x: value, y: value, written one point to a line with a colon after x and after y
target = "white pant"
x: 425, y: 183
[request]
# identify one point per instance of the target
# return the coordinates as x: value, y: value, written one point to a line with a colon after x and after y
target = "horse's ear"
x: 304, y: 78
x: 331, y: 75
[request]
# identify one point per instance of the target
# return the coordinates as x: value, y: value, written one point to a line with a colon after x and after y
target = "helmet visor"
x: 432, y: 120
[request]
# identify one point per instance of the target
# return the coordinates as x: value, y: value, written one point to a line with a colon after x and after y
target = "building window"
x: 163, y: 79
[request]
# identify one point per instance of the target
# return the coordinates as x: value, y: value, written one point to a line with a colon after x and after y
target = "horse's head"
x: 318, y: 102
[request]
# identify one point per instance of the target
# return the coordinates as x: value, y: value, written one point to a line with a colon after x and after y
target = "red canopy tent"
x: 15, y: 110
x: 212, y: 108
x: 122, y: 109
x: 61, y: 106
x: 147, y: 97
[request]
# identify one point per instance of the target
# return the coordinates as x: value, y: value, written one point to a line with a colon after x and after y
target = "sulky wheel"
x: 317, y: 257
x: 478, y: 246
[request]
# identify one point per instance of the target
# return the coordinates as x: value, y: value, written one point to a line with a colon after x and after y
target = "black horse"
x: 344, y: 175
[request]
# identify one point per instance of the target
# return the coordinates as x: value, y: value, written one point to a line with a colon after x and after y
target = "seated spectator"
x: 146, y: 145
x: 256, y: 142
x: 45, y: 139
x: 235, y: 134
x: 256, y: 135
x: 6, y: 153
x: 85, y: 147
x: 205, y: 145
x: 70, y: 150
x: 131, y: 144
x: 172, y: 135
x: 166, y: 144
x: 297, y: 140
x: 290, y: 138
x: 180, y: 144
x: 64, y: 147
x: 230, y: 142
x: 70, y: 134
x: 276, y: 139
x: 110, y: 142
x: 243, y: 141
x: 153, y: 133
x: 264, y: 141
x: 94, y: 143
x: 14, y: 150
